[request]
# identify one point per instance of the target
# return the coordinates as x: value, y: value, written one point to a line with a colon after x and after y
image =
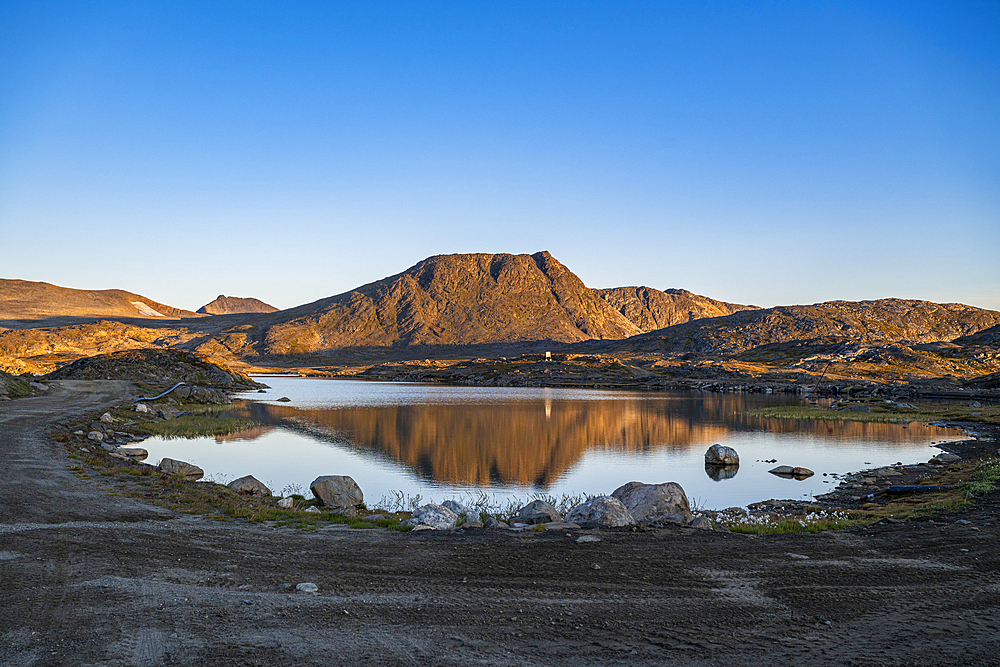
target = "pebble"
x: 307, y: 587
x: 587, y: 538
x: 798, y: 556
x: 595, y: 566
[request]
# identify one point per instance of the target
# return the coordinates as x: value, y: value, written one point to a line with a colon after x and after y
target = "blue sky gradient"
x: 767, y: 153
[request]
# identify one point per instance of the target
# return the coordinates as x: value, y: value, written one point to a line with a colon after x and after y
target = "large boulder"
x: 187, y: 470
x: 721, y: 455
x: 601, y: 512
x: 337, y: 491
x: 250, y: 486
x: 538, y: 511
x: 645, y: 501
x: 437, y: 517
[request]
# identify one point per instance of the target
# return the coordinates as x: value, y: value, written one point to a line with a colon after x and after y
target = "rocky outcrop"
x: 250, y: 486
x: 650, y: 309
x: 646, y: 501
x: 187, y: 470
x: 337, y: 491
x: 154, y: 366
x: 601, y: 512
x: 234, y: 305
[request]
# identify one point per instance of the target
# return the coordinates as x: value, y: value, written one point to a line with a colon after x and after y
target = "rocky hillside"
x: 234, y: 305
x: 160, y: 368
x: 650, y: 309
x: 870, y: 322
x: 454, y: 300
x: 26, y: 300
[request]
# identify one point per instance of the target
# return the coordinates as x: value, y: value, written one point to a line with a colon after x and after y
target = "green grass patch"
x: 885, y: 413
x: 194, y: 426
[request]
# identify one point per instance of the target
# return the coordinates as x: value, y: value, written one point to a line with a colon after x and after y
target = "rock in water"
x: 721, y: 455
x: 337, y: 491
x: 645, y: 501
x: 538, y: 511
x: 603, y: 511
x: 719, y: 473
x: 437, y: 517
x: 188, y: 470
x: 250, y: 486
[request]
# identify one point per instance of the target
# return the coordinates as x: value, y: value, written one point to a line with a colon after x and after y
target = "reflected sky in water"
x: 443, y: 442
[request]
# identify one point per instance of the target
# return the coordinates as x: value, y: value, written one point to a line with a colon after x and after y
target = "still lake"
x: 442, y: 442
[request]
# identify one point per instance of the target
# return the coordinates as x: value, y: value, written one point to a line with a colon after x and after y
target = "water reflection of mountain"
x: 535, y: 443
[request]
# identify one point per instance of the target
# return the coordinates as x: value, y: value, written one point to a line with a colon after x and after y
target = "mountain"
x: 453, y: 300
x: 650, y: 309
x: 233, y: 305
x: 870, y: 322
x: 27, y: 300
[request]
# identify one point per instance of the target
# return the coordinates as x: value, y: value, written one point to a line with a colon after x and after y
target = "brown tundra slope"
x: 868, y: 322
x: 27, y: 300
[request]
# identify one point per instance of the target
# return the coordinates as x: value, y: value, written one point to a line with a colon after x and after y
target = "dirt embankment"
x: 89, y: 578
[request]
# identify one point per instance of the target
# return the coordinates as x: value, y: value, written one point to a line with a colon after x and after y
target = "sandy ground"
x: 87, y: 578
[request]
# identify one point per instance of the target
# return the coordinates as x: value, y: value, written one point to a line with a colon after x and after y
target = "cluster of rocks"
x: 111, y: 436
x: 631, y: 504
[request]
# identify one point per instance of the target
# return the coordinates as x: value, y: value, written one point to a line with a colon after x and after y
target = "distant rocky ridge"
x: 872, y: 322
x: 27, y: 300
x: 233, y: 305
x: 499, y: 305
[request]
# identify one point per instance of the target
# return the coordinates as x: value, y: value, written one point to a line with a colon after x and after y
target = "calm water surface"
x: 452, y: 442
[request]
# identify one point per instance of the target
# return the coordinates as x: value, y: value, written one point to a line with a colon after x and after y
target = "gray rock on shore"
x: 470, y: 514
x: 339, y: 492
x: 601, y: 512
x: 433, y: 516
x: 646, y: 501
x: 250, y: 486
x: 190, y: 471
x: 538, y: 511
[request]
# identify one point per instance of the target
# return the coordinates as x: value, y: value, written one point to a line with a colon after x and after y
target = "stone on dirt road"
x: 722, y: 456
x: 645, y: 501
x: 250, y: 486
x: 337, y: 491
x: 437, y: 517
x: 307, y: 587
x: 188, y: 470
x: 601, y: 512
x: 538, y: 511
x: 702, y: 522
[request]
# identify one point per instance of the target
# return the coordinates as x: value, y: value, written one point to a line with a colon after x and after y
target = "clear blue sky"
x: 757, y: 152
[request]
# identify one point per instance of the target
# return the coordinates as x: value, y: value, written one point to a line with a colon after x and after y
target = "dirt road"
x: 87, y: 578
